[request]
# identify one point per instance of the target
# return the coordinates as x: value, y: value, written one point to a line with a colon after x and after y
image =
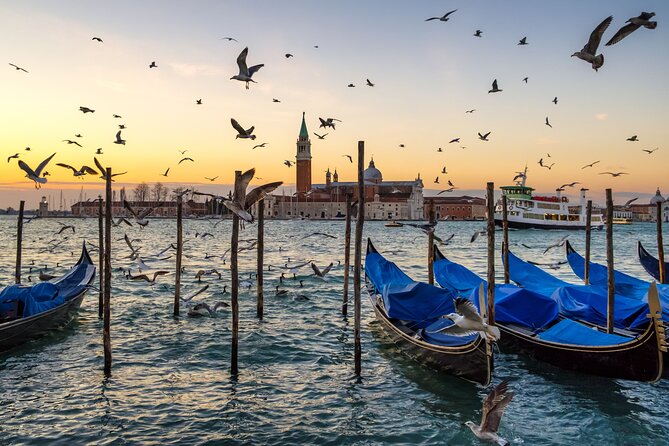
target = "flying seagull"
x: 557, y: 244
x: 86, y: 110
x: 572, y: 184
x: 350, y: 158
x: 351, y: 86
x: 288, y: 163
x: 628, y: 202
x: 467, y: 321
x: 555, y: 100
x: 275, y: 100
x: 321, y: 136
x: 320, y: 273
x: 241, y: 133
x: 198, y: 102
x: 523, y: 41
x: 454, y: 140
x: 494, y: 87
x: 69, y: 141
x: 443, y: 18
x: 648, y: 151
x: 589, y: 165
x: 119, y: 140
x: 36, y: 175
x: 245, y: 73
x: 634, y: 23
x: 185, y: 159
x: 369, y: 83
x: 288, y: 55
x: 211, y: 178
x: 548, y: 123
x: 103, y: 171
x: 470, y: 111
x: 493, y: 409
x: 166, y: 172
x: 484, y: 137
x: 229, y: 39
x: 478, y: 33
x: 117, y: 116
x: 633, y: 138
x: 18, y: 67
x: 153, y: 65
x: 145, y: 277
x: 259, y: 145
x: 97, y: 38
x: 329, y: 122
x: 588, y: 52
x: 614, y: 174
x: 78, y: 173
x: 16, y: 155
x: 140, y: 217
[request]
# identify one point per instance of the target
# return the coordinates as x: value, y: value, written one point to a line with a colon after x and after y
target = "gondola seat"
x: 570, y: 332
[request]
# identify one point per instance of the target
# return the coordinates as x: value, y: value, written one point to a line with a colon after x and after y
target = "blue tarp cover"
x: 583, y: 302
x: 36, y: 299
x: 569, y: 332
x: 381, y: 272
x: 418, y: 302
x: 513, y: 305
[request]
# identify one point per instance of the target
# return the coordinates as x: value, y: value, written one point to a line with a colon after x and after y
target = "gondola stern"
x: 568, y: 248
x: 85, y: 257
x: 438, y: 255
x: 370, y: 247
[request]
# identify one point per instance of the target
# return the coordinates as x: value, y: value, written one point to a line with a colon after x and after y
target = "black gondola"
x: 22, y: 321
x: 651, y: 264
x: 469, y: 358
x: 623, y: 355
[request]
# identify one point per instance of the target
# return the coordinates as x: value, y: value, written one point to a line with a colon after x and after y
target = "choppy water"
x: 171, y: 381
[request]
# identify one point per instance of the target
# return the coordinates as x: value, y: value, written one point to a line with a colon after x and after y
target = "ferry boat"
x: 525, y: 210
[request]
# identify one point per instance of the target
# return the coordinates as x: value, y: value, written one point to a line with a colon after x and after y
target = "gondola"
x: 532, y: 324
x: 651, y: 264
x: 27, y: 313
x: 410, y: 311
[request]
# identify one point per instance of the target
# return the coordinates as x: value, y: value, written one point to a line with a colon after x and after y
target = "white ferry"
x: 525, y: 210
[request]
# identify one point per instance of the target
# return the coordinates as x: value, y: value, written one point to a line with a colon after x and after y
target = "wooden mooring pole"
x: 588, y: 237
x: 234, y: 294
x: 101, y: 255
x: 260, y: 299
x: 660, y: 244
x: 347, y: 254
x: 177, y: 275
x: 358, y: 258
x: 505, y: 243
x: 19, y: 242
x: 430, y: 243
x: 106, y: 334
x: 490, y: 204
x: 609, y: 262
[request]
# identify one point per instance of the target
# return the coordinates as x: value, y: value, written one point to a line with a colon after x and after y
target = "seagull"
x: 185, y: 159
x: 329, y: 122
x: 97, y: 38
x: 351, y: 86
x: 443, y: 170
x: 229, y: 39
x: 78, y: 135
x: 86, y: 110
x: 145, y: 277
x: 166, y: 172
x: 69, y: 141
x: 103, y: 171
x: 436, y: 180
x: 525, y: 79
x: 589, y: 165
x: 470, y: 111
x: 468, y: 321
x: 288, y: 55
x: 633, y: 138
x: 116, y: 116
x: 140, y: 217
x: 369, y: 83
x: 241, y: 133
x: 493, y: 409
x: 35, y: 175
x: 450, y: 189
x: 288, y: 163
x: 555, y: 100
x: 443, y: 18
x: 557, y: 244
x: 64, y: 227
x: 211, y: 179
x: 321, y: 136
x: 484, y: 137
x: 588, y: 52
x: 476, y: 235
x: 627, y: 204
x: 614, y: 174
x: 118, y: 139
x: 454, y: 140
x: 569, y: 184
x: 634, y: 23
x: 98, y: 151
x: 78, y: 173
x: 648, y: 151
x: 439, y: 149
x: 523, y: 41
x: 548, y: 123
x: 553, y: 265
x: 401, y: 146
x: 494, y: 87
x: 259, y: 145
x: 320, y: 273
x: 350, y: 158
x: 18, y: 67
x: 548, y: 166
x: 478, y: 33
x: 245, y: 73
x: 275, y: 100
x: 198, y: 102
x: 153, y: 65
x: 16, y: 155
x: 203, y: 309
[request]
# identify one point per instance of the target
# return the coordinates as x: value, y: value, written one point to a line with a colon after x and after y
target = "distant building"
x: 385, y: 200
x: 652, y: 211
x: 458, y: 208
x: 161, y: 208
x: 43, y: 210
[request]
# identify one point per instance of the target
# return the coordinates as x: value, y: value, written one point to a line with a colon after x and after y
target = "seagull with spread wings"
x: 329, y: 122
x: 484, y: 137
x: 140, y: 217
x: 321, y: 136
x: 649, y: 151
x: 18, y: 68
x: 103, y: 171
x: 588, y: 52
x: 443, y: 18
x: 36, y: 175
x: 119, y: 140
x: 245, y: 73
x: 614, y: 174
x: 259, y: 145
x: 633, y: 24
x: 84, y: 170
x: 467, y: 321
x: 241, y: 133
x: 69, y: 141
x: 319, y: 273
x: 185, y: 159
x: 493, y: 409
x: 589, y: 165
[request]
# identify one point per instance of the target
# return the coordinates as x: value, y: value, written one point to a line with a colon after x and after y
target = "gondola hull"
x: 472, y: 362
x: 20, y: 331
x: 652, y: 265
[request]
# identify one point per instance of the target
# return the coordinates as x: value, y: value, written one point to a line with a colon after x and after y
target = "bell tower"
x: 303, y: 164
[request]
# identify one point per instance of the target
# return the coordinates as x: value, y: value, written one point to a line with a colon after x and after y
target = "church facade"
x: 385, y: 200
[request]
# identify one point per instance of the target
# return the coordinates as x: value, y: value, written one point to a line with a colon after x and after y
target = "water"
x: 171, y: 381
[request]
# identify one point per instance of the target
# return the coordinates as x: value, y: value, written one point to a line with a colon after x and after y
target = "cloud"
x: 190, y: 70
x: 601, y: 116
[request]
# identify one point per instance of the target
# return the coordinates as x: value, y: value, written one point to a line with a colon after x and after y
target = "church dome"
x: 657, y: 198
x: 372, y: 174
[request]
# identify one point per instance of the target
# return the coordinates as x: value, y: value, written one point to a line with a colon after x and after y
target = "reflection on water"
x: 170, y: 379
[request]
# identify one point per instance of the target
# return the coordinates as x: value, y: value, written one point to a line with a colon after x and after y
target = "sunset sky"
x: 426, y: 75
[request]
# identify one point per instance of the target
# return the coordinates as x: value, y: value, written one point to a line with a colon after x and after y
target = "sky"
x: 426, y: 75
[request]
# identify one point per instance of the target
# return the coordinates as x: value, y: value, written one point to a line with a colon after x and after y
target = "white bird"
x: 588, y: 52
x: 493, y: 409
x: 241, y: 133
x: 36, y: 175
x: 320, y: 273
x: 634, y: 23
x: 78, y: 173
x: 245, y: 73
x: 119, y: 140
x: 557, y: 244
x: 468, y: 321
x: 103, y: 171
x: 202, y: 309
x: 140, y: 217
